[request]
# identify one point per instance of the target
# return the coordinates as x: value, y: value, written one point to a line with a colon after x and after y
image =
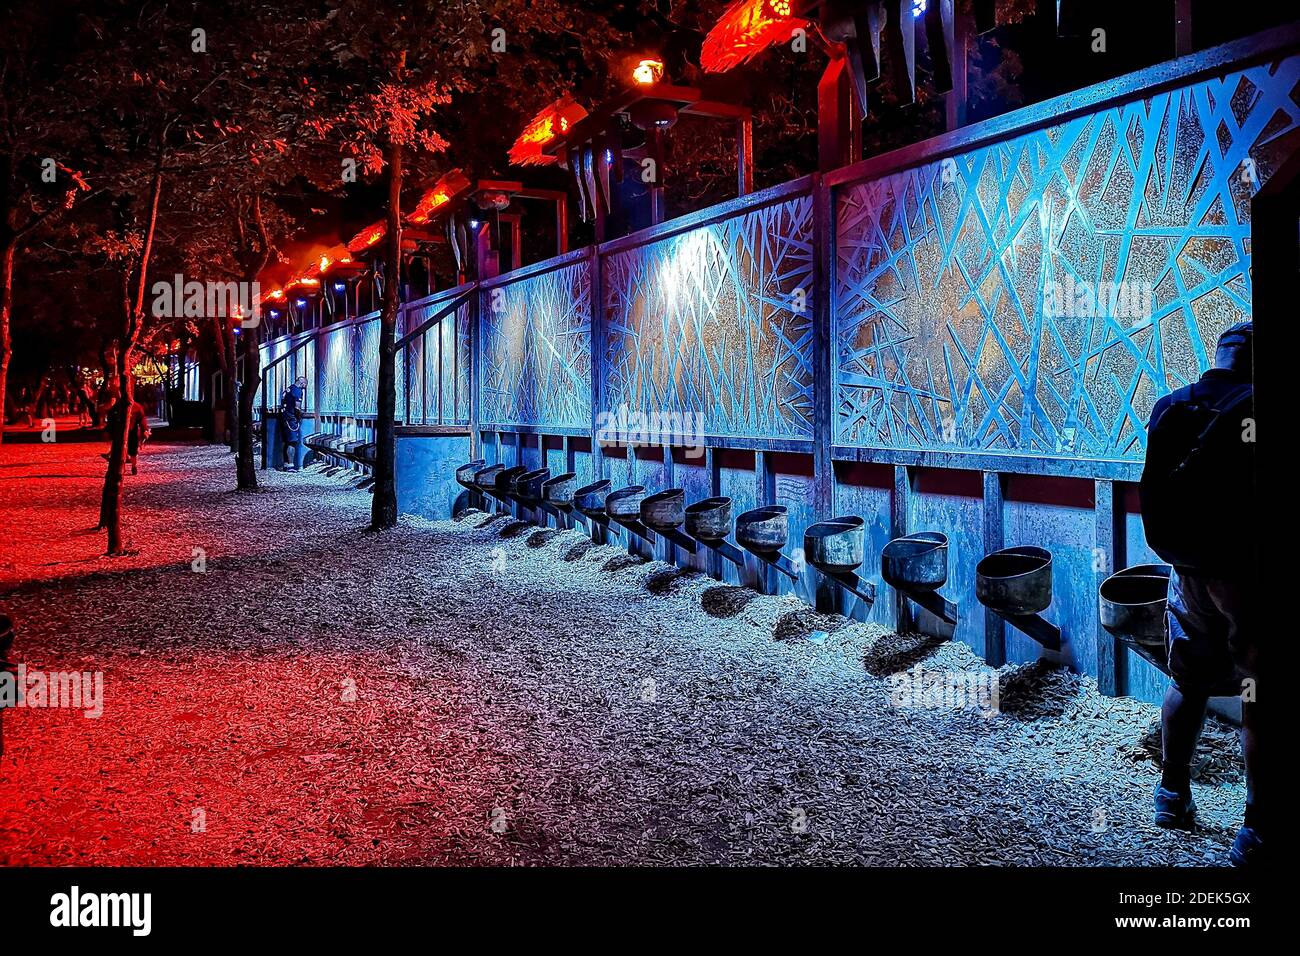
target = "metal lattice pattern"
x: 536, y: 336
x: 961, y: 304
x: 717, y: 322
x: 436, y: 363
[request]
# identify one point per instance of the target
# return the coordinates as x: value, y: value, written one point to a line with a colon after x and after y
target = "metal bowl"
x: 506, y: 479
x: 528, y: 486
x: 590, y: 499
x: 486, y: 479
x: 710, y: 519
x: 765, y: 529
x: 916, y: 562
x: 1133, y: 601
x: 836, y: 545
x: 465, y: 473
x: 559, y: 489
x: 626, y: 502
x: 1015, y: 580
x: 665, y: 509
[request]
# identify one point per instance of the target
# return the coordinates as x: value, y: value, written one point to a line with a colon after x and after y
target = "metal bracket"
x: 1035, y: 626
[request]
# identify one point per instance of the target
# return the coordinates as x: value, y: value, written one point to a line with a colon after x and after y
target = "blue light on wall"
x: 968, y: 301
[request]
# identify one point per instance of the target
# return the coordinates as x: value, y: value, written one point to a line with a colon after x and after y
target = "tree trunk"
x: 383, y: 512
x: 7, y: 254
x: 110, y: 505
x: 250, y: 373
x: 110, y: 511
x: 229, y: 365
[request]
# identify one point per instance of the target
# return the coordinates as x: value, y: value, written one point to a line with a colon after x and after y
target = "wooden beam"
x: 995, y: 645
x: 1108, y: 557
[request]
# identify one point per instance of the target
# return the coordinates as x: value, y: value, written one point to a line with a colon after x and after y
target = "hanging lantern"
x: 554, y: 121
x: 747, y: 29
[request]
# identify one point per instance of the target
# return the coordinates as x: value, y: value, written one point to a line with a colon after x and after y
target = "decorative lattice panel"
x: 717, y: 322
x: 536, y: 339
x: 436, y: 364
x: 962, y: 308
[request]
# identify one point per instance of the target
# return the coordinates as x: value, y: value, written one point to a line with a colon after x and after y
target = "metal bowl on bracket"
x: 765, y: 529
x: 466, y: 472
x: 1015, y: 581
x: 528, y: 486
x: 590, y: 499
x: 664, y: 510
x: 486, y: 478
x: 1133, y: 603
x: 506, y: 479
x: 916, y: 562
x: 837, y: 545
x: 710, y: 519
x: 559, y: 489
x: 626, y: 502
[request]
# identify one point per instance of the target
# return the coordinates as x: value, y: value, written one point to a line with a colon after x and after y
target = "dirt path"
x: 281, y: 688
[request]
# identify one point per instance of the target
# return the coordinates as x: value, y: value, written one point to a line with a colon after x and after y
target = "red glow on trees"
x: 747, y: 29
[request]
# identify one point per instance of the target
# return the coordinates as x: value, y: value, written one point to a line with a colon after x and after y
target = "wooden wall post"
x: 904, y: 619
x: 995, y: 645
x: 1109, y: 556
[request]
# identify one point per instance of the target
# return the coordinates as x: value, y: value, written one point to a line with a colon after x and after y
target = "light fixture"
x: 648, y: 72
x: 918, y: 7
x: 339, y: 286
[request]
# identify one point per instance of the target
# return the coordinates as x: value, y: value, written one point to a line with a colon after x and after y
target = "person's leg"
x: 1250, y: 750
x: 1197, y: 653
x: 1236, y: 599
x: 1181, y: 718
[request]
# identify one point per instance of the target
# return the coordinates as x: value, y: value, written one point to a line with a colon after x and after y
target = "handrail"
x: 450, y: 307
x: 437, y: 317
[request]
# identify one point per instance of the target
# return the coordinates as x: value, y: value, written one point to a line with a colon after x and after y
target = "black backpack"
x: 1198, y: 484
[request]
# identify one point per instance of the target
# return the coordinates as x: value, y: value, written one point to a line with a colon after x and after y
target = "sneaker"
x: 1174, y: 811
x: 1246, y: 848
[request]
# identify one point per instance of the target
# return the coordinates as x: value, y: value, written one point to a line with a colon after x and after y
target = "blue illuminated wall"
x: 717, y: 321
x: 535, y: 336
x: 957, y: 393
x: 944, y: 341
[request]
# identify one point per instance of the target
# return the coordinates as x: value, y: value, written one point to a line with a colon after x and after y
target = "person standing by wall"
x: 1198, y: 509
x: 291, y: 422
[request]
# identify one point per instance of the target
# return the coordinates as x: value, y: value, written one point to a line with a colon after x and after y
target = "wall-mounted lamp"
x: 648, y: 72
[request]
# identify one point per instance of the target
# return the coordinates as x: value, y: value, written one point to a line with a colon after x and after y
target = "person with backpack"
x: 291, y: 421
x: 1198, y: 509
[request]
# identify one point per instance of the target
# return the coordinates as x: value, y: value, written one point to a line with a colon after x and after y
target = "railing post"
x: 472, y: 317
x: 597, y: 339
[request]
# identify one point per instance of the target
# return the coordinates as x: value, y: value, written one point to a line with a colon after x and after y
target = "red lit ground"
x: 510, y: 706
